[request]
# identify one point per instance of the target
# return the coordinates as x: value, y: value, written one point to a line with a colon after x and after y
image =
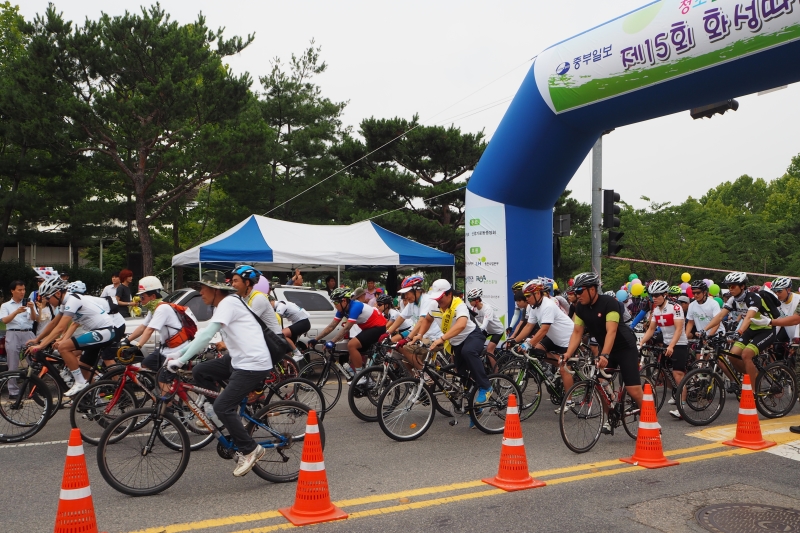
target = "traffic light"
x: 610, y: 209
x: 708, y: 111
x: 613, y: 242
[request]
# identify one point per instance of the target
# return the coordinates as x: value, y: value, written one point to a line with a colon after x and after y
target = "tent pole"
x: 173, y: 279
x: 454, y: 276
x: 338, y: 276
x: 200, y: 269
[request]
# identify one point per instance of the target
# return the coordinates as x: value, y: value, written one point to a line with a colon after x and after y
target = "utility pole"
x: 597, y: 203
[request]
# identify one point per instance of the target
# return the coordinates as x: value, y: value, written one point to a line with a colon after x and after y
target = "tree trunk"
x: 176, y: 248
x: 9, y: 209
x: 145, y: 240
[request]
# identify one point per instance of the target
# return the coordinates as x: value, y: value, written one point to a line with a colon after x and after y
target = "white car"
x: 315, y: 302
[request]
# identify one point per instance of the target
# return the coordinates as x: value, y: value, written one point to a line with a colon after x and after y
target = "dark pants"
x: 467, y: 356
x: 226, y: 406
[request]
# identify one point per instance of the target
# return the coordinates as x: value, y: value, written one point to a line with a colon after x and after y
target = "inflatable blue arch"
x: 665, y: 57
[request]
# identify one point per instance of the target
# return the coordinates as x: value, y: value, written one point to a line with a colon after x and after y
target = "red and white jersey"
x: 665, y: 318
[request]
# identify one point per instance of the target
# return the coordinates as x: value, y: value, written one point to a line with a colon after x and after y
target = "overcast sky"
x: 399, y: 58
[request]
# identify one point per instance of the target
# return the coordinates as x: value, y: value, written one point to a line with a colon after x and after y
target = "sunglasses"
x: 579, y: 290
x: 661, y: 295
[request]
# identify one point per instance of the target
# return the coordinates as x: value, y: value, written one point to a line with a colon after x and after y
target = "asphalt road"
x: 433, y: 482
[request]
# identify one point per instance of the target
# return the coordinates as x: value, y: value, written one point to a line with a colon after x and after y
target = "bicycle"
x: 363, y: 397
x: 143, y: 461
x: 659, y: 372
x: 588, y: 404
x: 407, y: 407
x: 775, y: 390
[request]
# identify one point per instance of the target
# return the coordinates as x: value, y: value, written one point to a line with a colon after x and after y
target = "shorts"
x: 757, y: 340
x: 404, y: 334
x: 494, y: 337
x: 627, y: 361
x: 95, y: 342
x: 299, y: 328
x: 680, y: 358
x: 593, y: 341
x: 552, y: 347
x: 370, y: 336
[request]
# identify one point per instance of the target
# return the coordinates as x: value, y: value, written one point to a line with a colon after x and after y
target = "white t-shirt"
x: 788, y: 309
x: 165, y: 320
x: 89, y: 312
x: 291, y: 311
x: 665, y: 318
x: 487, y: 320
x: 701, y: 314
x: 261, y: 306
x: 420, y: 308
x: 109, y: 290
x: 460, y: 310
x: 242, y: 335
x: 394, y: 314
x: 549, y: 312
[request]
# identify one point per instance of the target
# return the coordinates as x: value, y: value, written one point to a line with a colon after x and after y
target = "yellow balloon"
x: 685, y: 277
x: 555, y: 286
x: 637, y: 290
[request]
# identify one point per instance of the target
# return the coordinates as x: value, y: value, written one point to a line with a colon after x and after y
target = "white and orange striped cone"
x: 648, y: 452
x: 312, y: 501
x: 75, y: 508
x: 512, y: 474
x: 748, y: 428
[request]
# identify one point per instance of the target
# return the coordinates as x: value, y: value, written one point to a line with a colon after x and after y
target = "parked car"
x: 315, y: 302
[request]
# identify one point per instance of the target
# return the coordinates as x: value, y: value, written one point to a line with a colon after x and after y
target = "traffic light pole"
x: 597, y: 203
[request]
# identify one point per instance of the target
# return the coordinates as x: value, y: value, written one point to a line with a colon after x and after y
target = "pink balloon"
x: 262, y: 285
x: 685, y: 286
x: 637, y: 281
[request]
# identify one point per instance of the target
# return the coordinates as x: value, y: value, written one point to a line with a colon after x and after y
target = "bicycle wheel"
x: 363, y: 399
x: 123, y: 462
x: 281, y: 463
x: 55, y: 392
x: 199, y: 435
x: 23, y: 416
x: 490, y: 416
x: 286, y: 367
x: 96, y: 406
x: 329, y: 381
x: 631, y: 411
x: 298, y: 390
x: 406, y: 409
x: 659, y: 380
x: 529, y: 384
x: 580, y: 425
x: 705, y: 396
x: 775, y: 390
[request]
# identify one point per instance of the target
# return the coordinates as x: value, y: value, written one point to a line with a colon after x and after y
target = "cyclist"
x: 246, y: 365
x: 488, y: 323
x: 94, y: 315
x: 369, y: 320
x: 782, y: 287
x: 599, y: 314
x: 460, y: 335
x: 392, y: 315
x: 519, y: 313
x: 674, y: 292
x: 300, y: 323
x: 555, y: 328
x: 520, y: 305
x: 417, y: 305
x: 752, y: 336
x: 701, y: 310
x: 669, y: 318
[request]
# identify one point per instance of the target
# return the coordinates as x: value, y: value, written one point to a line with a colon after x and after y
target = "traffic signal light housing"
x: 610, y: 209
x: 613, y: 242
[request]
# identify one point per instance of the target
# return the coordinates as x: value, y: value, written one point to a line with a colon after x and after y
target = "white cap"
x: 439, y: 287
x: 149, y: 283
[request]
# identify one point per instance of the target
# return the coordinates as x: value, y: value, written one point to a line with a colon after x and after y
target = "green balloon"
x: 719, y: 301
x: 633, y: 277
x: 713, y: 290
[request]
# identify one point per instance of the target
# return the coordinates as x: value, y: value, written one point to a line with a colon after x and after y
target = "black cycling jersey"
x: 751, y: 300
x: 594, y: 317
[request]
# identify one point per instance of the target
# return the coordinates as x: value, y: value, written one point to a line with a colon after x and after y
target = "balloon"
x: 555, y: 286
x: 636, y: 281
x: 637, y: 290
x: 262, y: 285
x: 689, y: 293
x: 622, y: 295
x: 684, y: 286
x: 685, y: 277
x: 708, y: 282
x: 713, y: 290
x: 719, y: 301
x: 768, y: 284
x: 633, y: 277
x: 571, y: 282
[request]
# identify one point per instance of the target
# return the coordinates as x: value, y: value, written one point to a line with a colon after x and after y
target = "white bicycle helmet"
x: 658, y: 287
x: 51, y: 286
x: 736, y: 278
x: 77, y: 286
x: 586, y: 279
x: 474, y: 294
x: 782, y: 284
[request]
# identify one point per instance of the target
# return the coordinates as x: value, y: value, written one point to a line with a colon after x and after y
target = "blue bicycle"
x: 145, y: 451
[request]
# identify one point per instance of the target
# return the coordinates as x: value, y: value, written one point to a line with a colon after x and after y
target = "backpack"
x: 188, y: 326
x: 276, y: 344
x: 771, y: 303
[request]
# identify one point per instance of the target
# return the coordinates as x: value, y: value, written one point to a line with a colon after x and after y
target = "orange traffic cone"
x: 513, y: 471
x: 648, y: 452
x: 312, y: 501
x: 748, y: 428
x: 75, y: 508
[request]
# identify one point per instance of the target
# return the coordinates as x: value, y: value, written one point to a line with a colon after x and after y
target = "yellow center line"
x: 610, y: 471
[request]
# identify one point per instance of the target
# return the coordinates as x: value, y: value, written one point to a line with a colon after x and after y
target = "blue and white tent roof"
x: 259, y: 240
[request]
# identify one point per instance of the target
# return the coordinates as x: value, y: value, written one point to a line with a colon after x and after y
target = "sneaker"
x: 247, y: 462
x: 794, y: 429
x: 671, y: 401
x: 76, y: 388
x: 568, y: 405
x: 483, y: 395
x: 471, y: 423
x: 606, y: 429
x: 676, y: 414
